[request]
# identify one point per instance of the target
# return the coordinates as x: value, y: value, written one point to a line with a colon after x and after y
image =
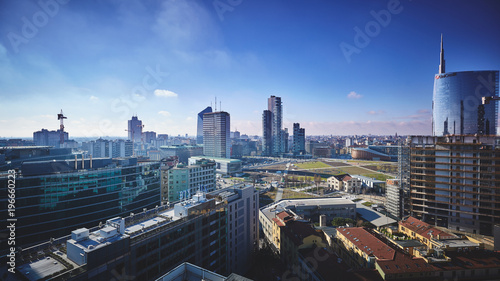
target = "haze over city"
x: 103, y: 61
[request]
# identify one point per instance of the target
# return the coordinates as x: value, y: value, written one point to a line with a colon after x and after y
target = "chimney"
x: 76, y: 162
x: 91, y: 161
x: 83, y: 162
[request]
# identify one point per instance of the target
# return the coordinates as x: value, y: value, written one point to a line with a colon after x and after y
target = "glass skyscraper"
x: 457, y: 106
x: 457, y: 103
x: 199, y: 131
x: 216, y: 134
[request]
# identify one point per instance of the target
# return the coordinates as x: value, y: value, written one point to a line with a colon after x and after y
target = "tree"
x: 317, y: 181
x: 338, y: 221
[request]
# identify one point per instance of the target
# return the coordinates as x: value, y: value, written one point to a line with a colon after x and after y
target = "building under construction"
x: 455, y: 181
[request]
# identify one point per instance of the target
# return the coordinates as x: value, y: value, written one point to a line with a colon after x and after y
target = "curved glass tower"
x: 457, y: 102
x: 457, y: 106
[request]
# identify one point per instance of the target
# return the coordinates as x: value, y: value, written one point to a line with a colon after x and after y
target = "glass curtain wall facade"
x: 50, y: 206
x: 457, y: 106
x: 199, y: 128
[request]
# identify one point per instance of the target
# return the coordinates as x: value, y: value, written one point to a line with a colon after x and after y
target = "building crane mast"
x: 61, y: 117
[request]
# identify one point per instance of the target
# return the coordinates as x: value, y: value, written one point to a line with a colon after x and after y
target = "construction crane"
x: 61, y: 117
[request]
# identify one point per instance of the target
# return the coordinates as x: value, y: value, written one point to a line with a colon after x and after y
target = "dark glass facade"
x: 457, y: 106
x: 55, y: 204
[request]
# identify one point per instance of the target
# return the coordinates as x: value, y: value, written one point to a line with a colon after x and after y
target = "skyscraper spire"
x: 441, y: 58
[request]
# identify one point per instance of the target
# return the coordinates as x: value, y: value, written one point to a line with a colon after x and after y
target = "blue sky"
x: 103, y: 61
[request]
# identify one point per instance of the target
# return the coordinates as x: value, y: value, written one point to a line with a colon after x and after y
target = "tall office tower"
x: 267, y: 136
x: 274, y: 105
x: 58, y: 196
x: 272, y: 121
x: 299, y: 139
x: 284, y: 141
x: 404, y: 178
x: 216, y: 134
x: 454, y: 181
x: 199, y: 131
x: 135, y: 129
x: 457, y: 106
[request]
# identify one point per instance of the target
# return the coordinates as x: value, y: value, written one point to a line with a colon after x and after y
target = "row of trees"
x: 302, y: 180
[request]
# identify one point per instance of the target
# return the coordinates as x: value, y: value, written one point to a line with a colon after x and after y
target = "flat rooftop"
x: 376, y: 218
x: 40, y: 268
x: 285, y: 204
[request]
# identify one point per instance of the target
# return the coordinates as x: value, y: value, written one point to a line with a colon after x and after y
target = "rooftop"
x: 425, y: 229
x: 374, y: 217
x: 270, y: 210
x: 367, y: 242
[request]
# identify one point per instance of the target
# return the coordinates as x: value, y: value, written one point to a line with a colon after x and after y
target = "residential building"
x: 182, y: 182
x: 423, y: 232
x: 395, y: 205
x: 454, y: 182
x: 199, y: 126
x: 344, y: 183
x: 274, y: 137
x: 299, y: 139
x: 242, y: 225
x: 57, y: 196
x: 49, y: 138
x: 457, y: 106
x: 310, y: 209
x: 297, y: 235
x: 267, y: 133
x: 135, y: 130
x: 216, y: 134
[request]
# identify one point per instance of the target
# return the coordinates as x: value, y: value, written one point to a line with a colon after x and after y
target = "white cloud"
x: 164, y: 113
x: 189, y: 118
x: 93, y: 98
x: 354, y: 95
x: 165, y: 93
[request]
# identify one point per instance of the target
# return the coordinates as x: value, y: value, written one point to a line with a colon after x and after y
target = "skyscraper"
x: 216, y: 134
x: 272, y: 122
x: 199, y: 131
x: 299, y: 139
x: 457, y: 106
x: 135, y: 129
x: 267, y: 134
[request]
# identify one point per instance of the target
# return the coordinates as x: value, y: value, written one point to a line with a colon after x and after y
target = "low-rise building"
x: 423, y: 232
x: 308, y: 209
x: 344, y: 183
x: 223, y: 166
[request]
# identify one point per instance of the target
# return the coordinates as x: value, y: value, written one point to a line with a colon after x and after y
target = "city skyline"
x: 341, y: 68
